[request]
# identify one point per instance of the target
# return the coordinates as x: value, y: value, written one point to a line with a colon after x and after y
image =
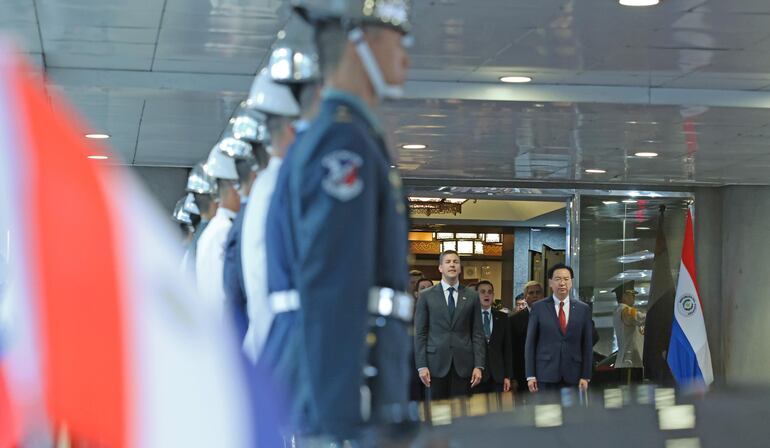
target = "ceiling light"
x: 629, y: 201
x: 603, y: 291
x: 646, y: 154
x: 414, y: 146
x: 98, y: 157
x: 609, y: 202
x: 393, y: 166
x: 552, y: 225
x: 535, y: 230
x: 595, y: 171
x: 97, y: 136
x: 515, y: 79
x: 638, y: 2
x: 642, y: 228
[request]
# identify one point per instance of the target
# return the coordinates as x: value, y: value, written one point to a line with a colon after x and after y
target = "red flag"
x: 120, y: 352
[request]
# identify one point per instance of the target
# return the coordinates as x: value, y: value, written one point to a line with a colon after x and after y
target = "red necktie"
x: 562, y: 318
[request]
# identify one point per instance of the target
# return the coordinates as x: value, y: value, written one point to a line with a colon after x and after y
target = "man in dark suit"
x: 449, y: 343
x: 533, y: 292
x: 498, y: 372
x: 559, y: 338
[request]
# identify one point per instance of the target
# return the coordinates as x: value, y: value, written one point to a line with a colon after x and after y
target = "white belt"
x: 384, y: 302
x: 284, y: 301
x: 388, y: 302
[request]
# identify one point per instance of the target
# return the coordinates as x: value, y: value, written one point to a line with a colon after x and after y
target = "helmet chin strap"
x: 381, y: 88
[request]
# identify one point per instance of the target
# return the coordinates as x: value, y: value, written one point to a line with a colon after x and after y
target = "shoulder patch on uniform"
x: 342, y: 115
x: 342, y: 179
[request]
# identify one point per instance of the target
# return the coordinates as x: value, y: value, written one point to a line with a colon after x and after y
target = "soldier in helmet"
x: 203, y: 188
x: 278, y: 104
x: 346, y: 216
x: 293, y: 63
x: 209, y: 261
x: 245, y: 141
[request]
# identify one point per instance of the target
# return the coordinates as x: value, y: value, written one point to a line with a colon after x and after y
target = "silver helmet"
x: 190, y: 206
x: 393, y: 13
x: 270, y: 97
x: 200, y: 182
x: 294, y: 57
x: 354, y: 15
x: 248, y: 125
x: 181, y: 215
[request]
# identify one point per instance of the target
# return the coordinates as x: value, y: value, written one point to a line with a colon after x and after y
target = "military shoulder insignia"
x: 342, y: 180
x: 342, y: 115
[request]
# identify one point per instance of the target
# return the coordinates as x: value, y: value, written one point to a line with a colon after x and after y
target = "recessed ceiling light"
x: 433, y: 115
x: 98, y: 157
x: 609, y: 202
x: 552, y: 225
x: 642, y: 228
x: 646, y: 154
x: 98, y: 136
x: 603, y: 291
x: 515, y: 79
x: 414, y: 146
x: 629, y: 201
x: 638, y: 2
x: 595, y: 171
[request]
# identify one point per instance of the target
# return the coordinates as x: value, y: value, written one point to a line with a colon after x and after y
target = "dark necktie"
x: 487, y: 325
x: 562, y: 318
x: 451, y: 302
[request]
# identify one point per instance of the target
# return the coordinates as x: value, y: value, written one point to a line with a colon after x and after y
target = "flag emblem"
x: 686, y: 306
x: 342, y: 179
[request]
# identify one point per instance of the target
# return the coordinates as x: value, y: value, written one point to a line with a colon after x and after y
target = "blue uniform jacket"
x: 280, y: 354
x: 235, y: 291
x: 349, y: 224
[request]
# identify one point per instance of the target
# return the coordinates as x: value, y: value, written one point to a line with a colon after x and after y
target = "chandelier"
x: 433, y: 206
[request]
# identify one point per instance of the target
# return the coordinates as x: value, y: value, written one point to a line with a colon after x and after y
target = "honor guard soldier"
x: 244, y: 141
x: 203, y: 188
x: 187, y: 206
x: 209, y: 262
x: 293, y: 63
x: 277, y: 103
x: 347, y: 217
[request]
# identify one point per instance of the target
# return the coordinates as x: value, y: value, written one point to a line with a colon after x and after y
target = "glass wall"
x: 617, y: 238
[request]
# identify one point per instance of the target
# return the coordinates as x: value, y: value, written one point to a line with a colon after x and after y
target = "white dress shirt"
x: 566, y: 307
x: 254, y: 260
x: 445, y: 286
x: 210, y: 259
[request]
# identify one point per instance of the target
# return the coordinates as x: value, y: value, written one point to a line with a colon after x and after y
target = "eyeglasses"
x: 561, y: 279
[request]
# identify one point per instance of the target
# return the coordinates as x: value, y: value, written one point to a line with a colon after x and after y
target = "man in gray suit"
x: 449, y: 342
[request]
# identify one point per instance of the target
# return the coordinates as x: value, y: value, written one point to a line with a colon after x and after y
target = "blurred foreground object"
x: 100, y: 332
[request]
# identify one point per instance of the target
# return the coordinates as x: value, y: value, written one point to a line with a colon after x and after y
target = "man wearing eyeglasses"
x: 559, y: 340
